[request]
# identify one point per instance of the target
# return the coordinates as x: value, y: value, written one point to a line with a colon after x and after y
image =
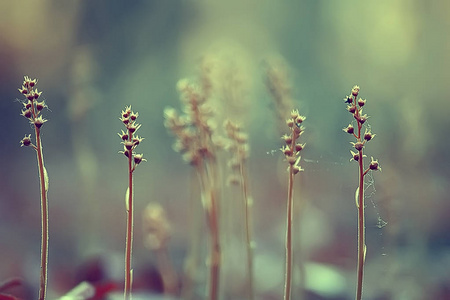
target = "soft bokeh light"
x: 94, y: 57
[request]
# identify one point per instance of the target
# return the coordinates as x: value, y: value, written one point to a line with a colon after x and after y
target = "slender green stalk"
x: 215, y: 255
x: 129, y: 234
x: 44, y: 217
x: 31, y: 111
x: 355, y: 107
x: 130, y: 142
x: 248, y: 232
x: 291, y: 150
x: 290, y: 204
x: 361, y: 229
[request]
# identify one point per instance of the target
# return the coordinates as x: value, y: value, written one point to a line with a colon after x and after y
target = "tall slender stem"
x: 361, y: 220
x: 361, y: 230
x: 248, y: 235
x: 290, y: 204
x: 129, y: 236
x: 215, y: 256
x: 44, y: 216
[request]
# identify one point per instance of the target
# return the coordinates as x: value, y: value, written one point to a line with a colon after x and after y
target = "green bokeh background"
x: 94, y: 57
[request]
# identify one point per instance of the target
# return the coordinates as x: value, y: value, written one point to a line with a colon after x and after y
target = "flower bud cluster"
x: 194, y: 129
x: 292, y: 148
x: 129, y: 140
x: 31, y: 107
x: 355, y: 107
x: 238, y: 147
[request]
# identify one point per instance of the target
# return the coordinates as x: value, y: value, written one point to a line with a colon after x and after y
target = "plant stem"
x: 361, y: 230
x: 215, y: 255
x: 44, y: 216
x: 361, y: 219
x: 248, y: 236
x: 129, y: 235
x: 288, y: 275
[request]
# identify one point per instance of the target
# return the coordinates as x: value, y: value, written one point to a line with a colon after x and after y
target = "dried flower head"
x: 292, y: 148
x: 129, y: 140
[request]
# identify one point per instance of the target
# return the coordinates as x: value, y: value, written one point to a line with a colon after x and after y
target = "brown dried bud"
x: 291, y: 160
x: 348, y: 99
x: 287, y: 139
x: 133, y: 127
x: 349, y: 129
x: 362, y: 119
x: 355, y: 90
x: 355, y: 156
x: 39, y: 121
x: 128, y: 145
x: 125, y: 120
x: 286, y: 151
x: 358, y: 146
x: 361, y: 102
x: 299, y: 147
x: 300, y: 119
x: 27, y: 113
x: 37, y: 94
x: 351, y: 108
x: 123, y: 135
x: 290, y: 122
x: 26, y: 141
x: 40, y: 105
x: 374, y: 166
x: 368, y: 135
x: 138, y: 158
x: 134, y: 116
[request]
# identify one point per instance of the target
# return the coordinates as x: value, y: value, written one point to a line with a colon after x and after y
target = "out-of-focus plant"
x: 291, y: 150
x: 194, y: 139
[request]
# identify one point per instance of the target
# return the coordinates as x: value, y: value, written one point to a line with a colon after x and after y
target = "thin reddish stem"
x: 361, y: 217
x: 44, y: 216
x: 290, y: 204
x: 129, y: 234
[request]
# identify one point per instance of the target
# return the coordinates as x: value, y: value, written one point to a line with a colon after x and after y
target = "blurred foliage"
x: 94, y: 57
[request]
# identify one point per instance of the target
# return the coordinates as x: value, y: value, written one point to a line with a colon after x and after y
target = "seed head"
x: 138, y: 158
x: 290, y: 122
x: 374, y: 165
x: 26, y: 113
x: 349, y: 129
x: 358, y: 145
x: 26, y: 141
x: 40, y: 105
x: 355, y: 90
x: 355, y: 156
x: 287, y: 139
x: 348, y: 99
x: 39, y: 121
x: 123, y: 135
x: 299, y: 147
x: 368, y: 135
x: 351, y: 108
x: 128, y: 145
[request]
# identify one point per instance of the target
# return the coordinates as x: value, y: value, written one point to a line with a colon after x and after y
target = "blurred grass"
x: 94, y: 57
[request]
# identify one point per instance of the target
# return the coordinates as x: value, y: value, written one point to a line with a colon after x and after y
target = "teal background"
x: 92, y: 58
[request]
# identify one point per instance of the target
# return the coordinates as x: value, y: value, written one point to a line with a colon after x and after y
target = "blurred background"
x: 92, y: 58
